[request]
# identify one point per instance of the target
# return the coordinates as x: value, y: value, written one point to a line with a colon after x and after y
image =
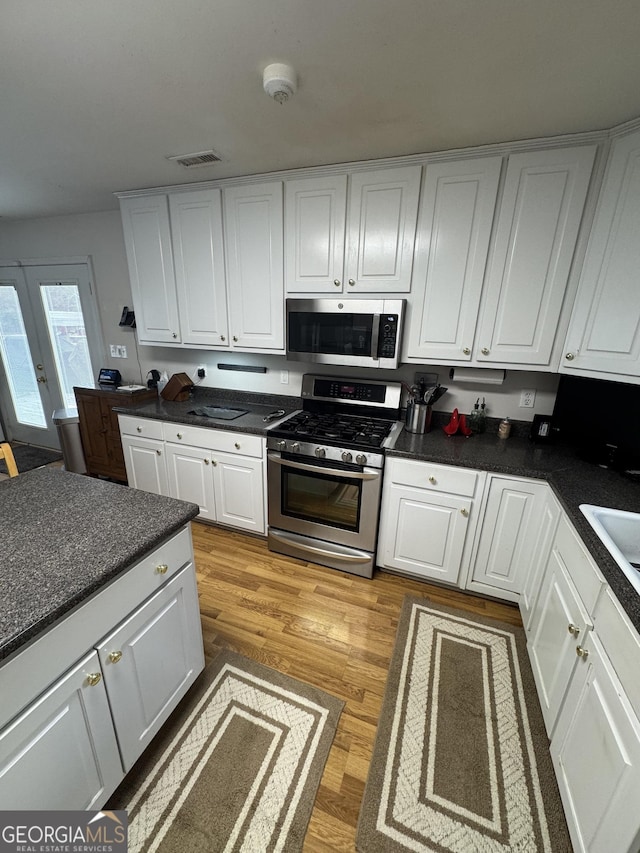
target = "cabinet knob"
x: 222, y: 338
x: 159, y: 452
x: 464, y: 512
x: 162, y: 569
x: 337, y: 282
x: 174, y: 334
x: 351, y: 282
x: 432, y: 480
x: 94, y: 678
x: 235, y: 339
x: 206, y: 461
x: 237, y: 445
x: 114, y: 657
x: 485, y: 350
x: 466, y: 351
x: 214, y: 463
x: 573, y: 629
x: 570, y: 356
x: 179, y: 435
x: 139, y: 429
x: 581, y: 652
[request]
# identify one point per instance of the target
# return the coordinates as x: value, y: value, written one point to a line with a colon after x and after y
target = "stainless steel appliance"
x: 348, y: 332
x: 324, y: 471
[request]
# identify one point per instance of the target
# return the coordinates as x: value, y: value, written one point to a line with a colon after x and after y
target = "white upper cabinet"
x: 454, y: 229
x: 315, y: 212
x: 381, y: 230
x: 255, y: 266
x: 196, y: 223
x: 356, y: 242
x: 147, y: 237
x: 604, y: 334
x: 536, y: 232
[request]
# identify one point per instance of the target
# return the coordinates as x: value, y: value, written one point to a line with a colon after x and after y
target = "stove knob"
x: 346, y: 456
x: 295, y: 447
x: 321, y: 452
x: 361, y: 459
x: 282, y: 445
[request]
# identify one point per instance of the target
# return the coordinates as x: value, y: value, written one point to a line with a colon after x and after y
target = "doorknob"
x: 42, y: 378
x: 39, y: 366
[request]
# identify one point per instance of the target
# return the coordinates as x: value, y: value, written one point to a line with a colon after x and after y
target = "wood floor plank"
x: 325, y: 627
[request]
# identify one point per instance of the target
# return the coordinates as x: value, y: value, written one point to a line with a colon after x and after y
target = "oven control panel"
x: 325, y: 453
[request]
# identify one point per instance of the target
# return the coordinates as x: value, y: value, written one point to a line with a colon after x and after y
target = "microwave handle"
x: 375, y: 335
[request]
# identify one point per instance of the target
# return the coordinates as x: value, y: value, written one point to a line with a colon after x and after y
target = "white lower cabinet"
x: 428, y: 518
x: 223, y: 472
x: 510, y: 524
x: 596, y: 755
x: 61, y: 753
x: 545, y: 533
x: 72, y: 722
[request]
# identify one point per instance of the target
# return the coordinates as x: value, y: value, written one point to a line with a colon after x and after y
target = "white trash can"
x: 67, y: 423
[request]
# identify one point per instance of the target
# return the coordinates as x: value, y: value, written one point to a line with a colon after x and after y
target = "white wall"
x: 99, y: 235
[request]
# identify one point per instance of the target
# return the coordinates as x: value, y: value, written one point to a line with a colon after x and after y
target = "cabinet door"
x: 239, y: 491
x: 144, y: 460
x: 147, y: 238
x: 381, y: 230
x: 61, y: 753
x: 536, y: 233
x: 560, y: 622
x: 510, y: 526
x: 596, y: 755
x: 93, y: 431
x: 196, y: 225
x: 423, y: 533
x: 255, y: 270
x: 540, y: 556
x: 315, y: 210
x: 604, y: 334
x: 151, y: 660
x: 190, y: 477
x: 454, y: 229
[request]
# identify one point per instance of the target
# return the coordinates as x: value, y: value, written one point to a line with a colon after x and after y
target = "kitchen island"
x: 100, y: 633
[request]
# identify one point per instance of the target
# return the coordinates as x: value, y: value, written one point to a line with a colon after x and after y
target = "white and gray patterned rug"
x: 237, y: 767
x: 461, y: 761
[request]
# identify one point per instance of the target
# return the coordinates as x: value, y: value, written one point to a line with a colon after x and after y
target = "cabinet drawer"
x: 213, y: 439
x: 621, y: 643
x: 437, y: 478
x: 157, y: 568
x: 147, y: 427
x: 583, y: 571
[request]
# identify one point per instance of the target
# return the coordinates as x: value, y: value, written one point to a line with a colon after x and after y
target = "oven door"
x: 324, y: 500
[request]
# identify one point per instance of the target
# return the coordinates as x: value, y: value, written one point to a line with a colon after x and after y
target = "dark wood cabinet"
x: 99, y: 428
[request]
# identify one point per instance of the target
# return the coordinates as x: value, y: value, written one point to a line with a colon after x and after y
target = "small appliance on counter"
x: 109, y: 378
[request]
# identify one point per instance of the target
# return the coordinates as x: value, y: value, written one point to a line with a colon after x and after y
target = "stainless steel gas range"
x: 324, y: 471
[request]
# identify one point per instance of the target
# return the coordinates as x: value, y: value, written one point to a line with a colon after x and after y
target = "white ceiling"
x: 94, y: 94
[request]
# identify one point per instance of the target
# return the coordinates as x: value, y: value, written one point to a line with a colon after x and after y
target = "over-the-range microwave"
x: 350, y: 332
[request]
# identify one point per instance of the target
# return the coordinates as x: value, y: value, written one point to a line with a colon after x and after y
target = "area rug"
x: 461, y: 760
x: 28, y: 457
x: 237, y: 768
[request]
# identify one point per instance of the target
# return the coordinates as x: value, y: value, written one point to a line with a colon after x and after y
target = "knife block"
x: 177, y: 388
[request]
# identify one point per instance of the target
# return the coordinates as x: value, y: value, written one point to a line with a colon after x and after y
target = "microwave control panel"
x: 388, y: 336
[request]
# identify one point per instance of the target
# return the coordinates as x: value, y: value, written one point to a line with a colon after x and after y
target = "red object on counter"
x: 457, y: 423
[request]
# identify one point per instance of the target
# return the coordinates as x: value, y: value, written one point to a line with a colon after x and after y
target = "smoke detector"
x: 279, y: 81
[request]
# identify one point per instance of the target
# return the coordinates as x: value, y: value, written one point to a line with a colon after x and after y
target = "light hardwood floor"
x: 324, y: 627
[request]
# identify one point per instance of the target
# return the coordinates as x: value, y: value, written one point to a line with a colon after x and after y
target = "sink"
x: 619, y: 532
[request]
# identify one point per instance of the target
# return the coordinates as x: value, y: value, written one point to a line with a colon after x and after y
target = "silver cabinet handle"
x: 573, y: 629
x: 485, y: 350
x: 464, y: 512
x: 582, y: 652
x: 337, y: 282
x: 139, y: 429
x: 466, y: 351
x: 351, y: 282
x: 570, y: 356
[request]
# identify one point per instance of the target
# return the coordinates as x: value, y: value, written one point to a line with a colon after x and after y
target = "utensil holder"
x: 418, y: 417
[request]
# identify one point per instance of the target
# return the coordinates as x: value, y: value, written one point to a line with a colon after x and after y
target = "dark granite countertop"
x: 257, y: 405
x: 573, y: 481
x: 65, y: 536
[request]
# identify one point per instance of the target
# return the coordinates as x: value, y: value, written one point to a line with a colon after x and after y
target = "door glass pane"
x: 324, y: 498
x: 68, y: 336
x: 17, y: 360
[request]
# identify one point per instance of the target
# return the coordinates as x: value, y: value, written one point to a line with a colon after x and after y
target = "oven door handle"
x: 317, y: 469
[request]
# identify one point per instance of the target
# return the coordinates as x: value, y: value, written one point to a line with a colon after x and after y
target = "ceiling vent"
x: 200, y: 158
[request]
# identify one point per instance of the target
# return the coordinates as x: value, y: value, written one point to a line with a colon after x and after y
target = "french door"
x: 50, y: 341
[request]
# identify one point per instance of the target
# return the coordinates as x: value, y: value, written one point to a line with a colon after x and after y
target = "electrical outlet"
x: 113, y: 349
x: 284, y: 377
x: 201, y: 371
x: 528, y: 399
